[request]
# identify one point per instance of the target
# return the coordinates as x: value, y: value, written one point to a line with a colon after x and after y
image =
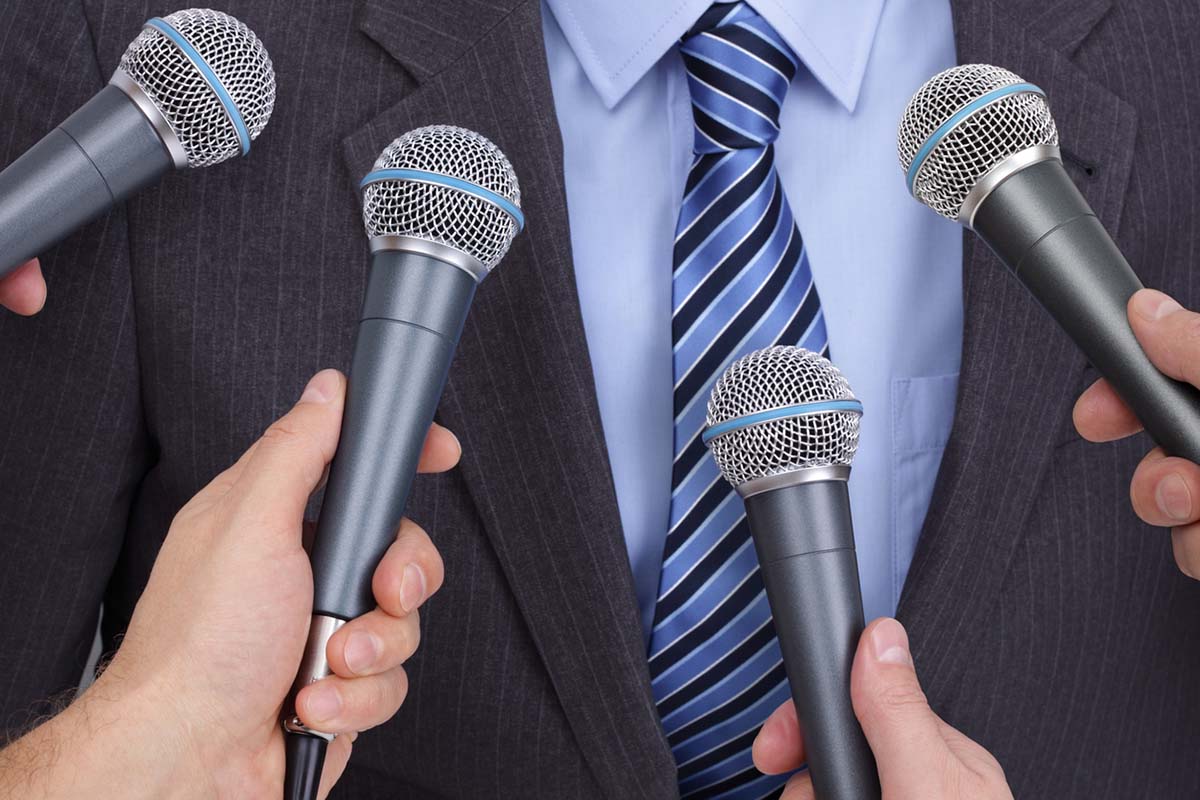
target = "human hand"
x: 919, y: 756
x: 24, y: 290
x: 1165, y: 490
x: 190, y: 704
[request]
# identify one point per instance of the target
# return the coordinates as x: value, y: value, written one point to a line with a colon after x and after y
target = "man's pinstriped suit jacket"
x: 1046, y: 622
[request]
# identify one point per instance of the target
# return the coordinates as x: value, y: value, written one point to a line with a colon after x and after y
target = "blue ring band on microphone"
x: 162, y: 26
x: 936, y: 137
x: 803, y: 409
x: 424, y: 176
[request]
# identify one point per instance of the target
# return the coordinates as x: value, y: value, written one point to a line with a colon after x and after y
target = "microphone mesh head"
x: 986, y: 137
x: 179, y: 89
x: 439, y: 213
x: 780, y: 377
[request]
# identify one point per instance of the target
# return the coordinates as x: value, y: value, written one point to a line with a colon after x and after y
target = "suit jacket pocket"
x: 922, y: 415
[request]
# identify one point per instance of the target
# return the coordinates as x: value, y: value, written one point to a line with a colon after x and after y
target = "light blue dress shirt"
x: 889, y: 272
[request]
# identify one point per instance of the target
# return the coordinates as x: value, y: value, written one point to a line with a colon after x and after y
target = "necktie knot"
x: 738, y: 71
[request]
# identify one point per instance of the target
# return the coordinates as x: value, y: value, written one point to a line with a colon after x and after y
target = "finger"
x: 799, y: 787
x: 1169, y: 333
x: 290, y: 458
x: 1164, y: 490
x: 372, y: 644
x: 1100, y: 414
x: 341, y: 705
x: 336, y: 757
x: 441, y: 450
x: 24, y: 290
x: 410, y: 572
x: 440, y: 453
x: 1185, y: 543
x: 779, y: 747
x: 896, y: 718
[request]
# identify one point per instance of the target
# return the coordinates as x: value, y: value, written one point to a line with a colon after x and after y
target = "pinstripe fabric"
x: 741, y: 282
x: 1047, y: 622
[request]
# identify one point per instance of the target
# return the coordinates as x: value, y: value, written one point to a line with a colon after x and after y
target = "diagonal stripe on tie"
x: 741, y: 281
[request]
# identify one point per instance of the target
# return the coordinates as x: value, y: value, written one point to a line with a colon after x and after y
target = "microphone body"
x: 441, y: 208
x: 783, y: 427
x: 99, y: 156
x: 1040, y: 225
x: 805, y: 543
x: 412, y: 316
x: 193, y: 89
x: 979, y: 145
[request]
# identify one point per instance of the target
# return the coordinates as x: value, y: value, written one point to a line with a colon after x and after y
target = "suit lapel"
x: 521, y: 394
x: 1020, y: 375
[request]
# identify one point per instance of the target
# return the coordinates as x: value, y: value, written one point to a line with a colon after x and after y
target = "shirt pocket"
x: 922, y: 415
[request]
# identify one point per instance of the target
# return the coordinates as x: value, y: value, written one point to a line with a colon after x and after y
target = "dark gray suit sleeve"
x: 72, y: 445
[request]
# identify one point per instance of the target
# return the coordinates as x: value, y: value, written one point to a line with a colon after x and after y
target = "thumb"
x: 904, y: 733
x: 273, y: 481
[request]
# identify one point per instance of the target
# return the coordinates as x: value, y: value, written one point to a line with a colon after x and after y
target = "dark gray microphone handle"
x: 1043, y: 229
x: 412, y: 316
x: 102, y: 154
x: 805, y: 544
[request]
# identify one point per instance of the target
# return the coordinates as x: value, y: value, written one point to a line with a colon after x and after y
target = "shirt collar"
x: 618, y: 41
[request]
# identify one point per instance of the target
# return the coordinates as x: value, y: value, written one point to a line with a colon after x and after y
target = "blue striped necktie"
x: 741, y: 282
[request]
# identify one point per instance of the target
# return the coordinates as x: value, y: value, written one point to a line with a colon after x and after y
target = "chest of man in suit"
x: 1046, y: 622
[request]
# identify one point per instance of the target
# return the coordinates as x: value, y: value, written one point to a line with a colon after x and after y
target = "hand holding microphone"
x: 918, y: 754
x: 978, y: 145
x: 1165, y: 490
x: 189, y: 706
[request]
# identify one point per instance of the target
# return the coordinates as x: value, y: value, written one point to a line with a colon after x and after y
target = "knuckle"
x: 901, y: 697
x: 380, y: 698
x: 1189, y: 330
x: 283, y: 431
x: 1184, y: 343
x: 299, y: 444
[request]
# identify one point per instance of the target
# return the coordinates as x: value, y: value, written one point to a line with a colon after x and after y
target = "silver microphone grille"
x: 961, y: 124
x: 780, y: 410
x: 446, y: 185
x: 209, y: 76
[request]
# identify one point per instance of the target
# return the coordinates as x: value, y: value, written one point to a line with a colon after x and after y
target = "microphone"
x: 978, y: 145
x: 783, y: 427
x: 193, y: 89
x: 441, y: 208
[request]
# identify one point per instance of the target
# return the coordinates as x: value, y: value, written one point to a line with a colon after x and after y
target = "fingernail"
x: 1151, y: 305
x: 1173, y: 498
x: 890, y: 643
x: 321, y: 387
x: 412, y: 587
x: 361, y: 651
x: 324, y: 704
